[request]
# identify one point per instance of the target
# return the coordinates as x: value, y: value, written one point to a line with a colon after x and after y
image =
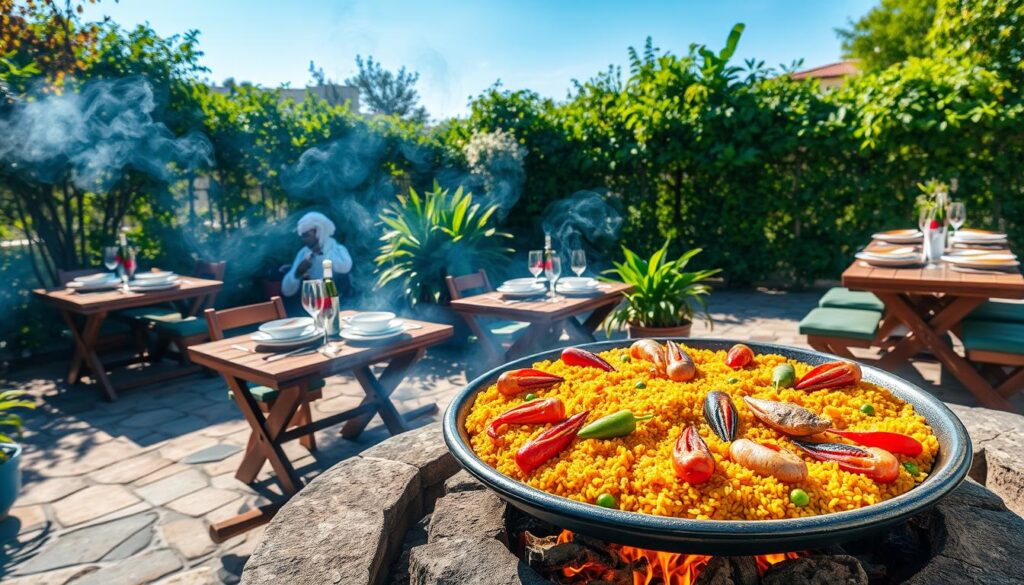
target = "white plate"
x: 98, y: 278
x: 393, y: 326
x: 578, y: 282
x: 519, y: 284
x: 993, y: 260
x: 899, y: 236
x: 353, y: 335
x: 888, y: 262
x: 86, y: 287
x: 148, y: 277
x: 309, y: 334
x: 136, y: 287
x: 979, y: 235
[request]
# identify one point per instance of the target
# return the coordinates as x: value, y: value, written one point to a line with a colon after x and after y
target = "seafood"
x: 513, y: 382
x: 680, y: 367
x: 878, y: 464
x: 739, y: 356
x: 787, y: 418
x: 551, y: 442
x: 691, y: 457
x: 830, y: 375
x: 575, y: 356
x: 532, y: 412
x: 721, y: 415
x: 651, y: 351
x: 768, y: 460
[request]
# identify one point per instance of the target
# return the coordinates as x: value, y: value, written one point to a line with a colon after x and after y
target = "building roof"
x: 830, y: 71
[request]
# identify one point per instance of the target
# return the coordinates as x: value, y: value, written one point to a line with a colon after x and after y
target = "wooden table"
x: 93, y: 308
x: 547, y: 319
x: 932, y: 302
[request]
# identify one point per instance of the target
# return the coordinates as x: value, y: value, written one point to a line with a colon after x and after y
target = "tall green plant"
x: 432, y: 236
x: 664, y: 293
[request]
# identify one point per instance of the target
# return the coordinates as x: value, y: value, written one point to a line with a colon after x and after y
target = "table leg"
x: 265, y: 431
x: 527, y: 342
x: 928, y: 334
x: 487, y: 341
x: 85, y: 353
x: 598, y: 316
x: 379, y: 390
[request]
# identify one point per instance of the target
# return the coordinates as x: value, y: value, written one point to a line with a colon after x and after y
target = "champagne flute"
x: 110, y: 259
x: 579, y: 261
x: 957, y: 215
x: 313, y: 296
x: 536, y: 263
x: 924, y: 218
x: 552, y: 271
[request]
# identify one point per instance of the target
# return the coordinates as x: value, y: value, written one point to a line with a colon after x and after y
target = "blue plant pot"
x: 10, y: 477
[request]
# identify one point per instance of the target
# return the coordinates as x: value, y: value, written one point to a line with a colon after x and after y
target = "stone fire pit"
x: 403, y: 513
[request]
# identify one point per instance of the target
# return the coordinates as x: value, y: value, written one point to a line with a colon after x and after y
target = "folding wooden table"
x: 547, y: 319
x: 932, y: 302
x: 94, y: 307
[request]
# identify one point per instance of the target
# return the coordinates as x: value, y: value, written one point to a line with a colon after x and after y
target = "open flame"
x: 652, y: 567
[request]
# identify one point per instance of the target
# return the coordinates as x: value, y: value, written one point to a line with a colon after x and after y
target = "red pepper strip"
x: 691, y: 457
x: 574, y: 356
x: 544, y: 411
x: 891, y: 442
x: 830, y: 375
x: 549, y: 443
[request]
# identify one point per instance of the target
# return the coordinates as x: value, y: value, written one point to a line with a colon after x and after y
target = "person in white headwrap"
x: 318, y: 242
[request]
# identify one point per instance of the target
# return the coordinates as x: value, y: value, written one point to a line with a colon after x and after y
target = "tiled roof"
x: 832, y: 70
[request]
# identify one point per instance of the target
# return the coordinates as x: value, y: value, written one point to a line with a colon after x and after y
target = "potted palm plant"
x: 10, y: 450
x: 431, y: 236
x: 664, y: 296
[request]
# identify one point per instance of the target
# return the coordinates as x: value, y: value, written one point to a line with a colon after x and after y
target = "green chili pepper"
x: 640, y: 385
x: 530, y: 397
x: 607, y: 501
x: 784, y: 376
x: 867, y: 409
x: 912, y: 468
x: 617, y: 424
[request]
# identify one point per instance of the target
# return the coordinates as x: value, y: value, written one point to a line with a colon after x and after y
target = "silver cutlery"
x: 243, y: 348
x: 276, y: 356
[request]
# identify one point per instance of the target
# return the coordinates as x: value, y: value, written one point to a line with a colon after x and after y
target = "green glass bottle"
x: 330, y: 312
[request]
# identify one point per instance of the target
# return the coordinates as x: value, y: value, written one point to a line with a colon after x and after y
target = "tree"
x: 989, y: 32
x: 385, y: 92
x: 889, y: 33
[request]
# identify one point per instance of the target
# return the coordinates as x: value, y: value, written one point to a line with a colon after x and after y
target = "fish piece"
x: 763, y: 459
x: 680, y: 367
x: 787, y: 418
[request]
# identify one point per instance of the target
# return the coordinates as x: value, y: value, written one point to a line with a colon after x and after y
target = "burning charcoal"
x: 729, y: 571
x: 546, y: 554
x: 816, y: 570
x: 519, y: 522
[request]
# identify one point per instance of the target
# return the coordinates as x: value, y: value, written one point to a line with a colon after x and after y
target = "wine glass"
x: 128, y: 266
x: 110, y: 259
x: 536, y: 262
x: 957, y: 215
x: 319, y: 306
x: 924, y: 218
x: 579, y: 261
x: 552, y: 270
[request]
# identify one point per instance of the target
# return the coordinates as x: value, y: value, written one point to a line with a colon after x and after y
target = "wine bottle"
x: 548, y: 252
x: 330, y: 312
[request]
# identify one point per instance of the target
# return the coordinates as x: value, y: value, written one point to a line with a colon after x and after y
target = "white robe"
x: 341, y: 263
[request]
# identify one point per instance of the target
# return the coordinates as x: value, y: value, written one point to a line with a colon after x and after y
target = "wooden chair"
x: 113, y: 334
x: 834, y: 330
x: 998, y: 349
x: 458, y: 286
x: 217, y: 322
x: 185, y: 330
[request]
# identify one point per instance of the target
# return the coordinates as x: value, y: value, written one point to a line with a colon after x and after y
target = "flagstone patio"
x: 124, y: 492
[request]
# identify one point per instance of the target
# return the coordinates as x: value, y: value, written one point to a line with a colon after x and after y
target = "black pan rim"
x: 952, y: 467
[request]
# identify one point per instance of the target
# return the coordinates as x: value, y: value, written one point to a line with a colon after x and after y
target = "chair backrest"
x: 457, y: 285
x: 217, y: 322
x: 66, y: 276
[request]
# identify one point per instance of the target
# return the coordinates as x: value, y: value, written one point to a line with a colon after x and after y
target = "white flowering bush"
x: 496, y: 160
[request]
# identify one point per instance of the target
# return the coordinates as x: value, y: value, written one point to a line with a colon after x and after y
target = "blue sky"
x: 461, y: 48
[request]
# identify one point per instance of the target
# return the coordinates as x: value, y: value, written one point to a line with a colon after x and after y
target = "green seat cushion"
x: 506, y: 327
x: 848, y: 323
x: 844, y: 298
x: 149, y: 313
x: 992, y: 336
x: 186, y: 327
x: 266, y: 393
x: 1003, y: 311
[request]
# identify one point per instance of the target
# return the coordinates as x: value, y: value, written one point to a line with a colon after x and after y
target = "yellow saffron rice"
x: 637, y: 469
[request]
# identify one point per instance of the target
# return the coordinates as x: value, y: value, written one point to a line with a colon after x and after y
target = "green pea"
x: 867, y: 409
x: 799, y: 497
x: 640, y: 385
x: 912, y: 468
x: 530, y: 397
x: 607, y: 501
x: 624, y: 359
x: 733, y: 380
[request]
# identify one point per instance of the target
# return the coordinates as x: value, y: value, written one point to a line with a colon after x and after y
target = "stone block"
x: 91, y: 503
x: 188, y: 536
x: 462, y: 482
x: 87, y: 545
x: 132, y: 469
x: 173, y: 487
x: 145, y: 568
x: 50, y: 490
x: 423, y: 448
x: 459, y: 561
x: 203, y: 501
x: 476, y: 513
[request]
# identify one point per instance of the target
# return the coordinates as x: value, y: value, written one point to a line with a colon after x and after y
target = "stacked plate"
x: 910, y: 236
x: 152, y: 281
x: 95, y: 282
x: 979, y: 237
x: 521, y: 288
x: 890, y: 256
x: 973, y: 260
x: 576, y: 285
x: 287, y: 333
x: 372, y: 326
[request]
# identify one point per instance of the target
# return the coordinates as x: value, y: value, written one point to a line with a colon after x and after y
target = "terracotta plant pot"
x: 638, y: 331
